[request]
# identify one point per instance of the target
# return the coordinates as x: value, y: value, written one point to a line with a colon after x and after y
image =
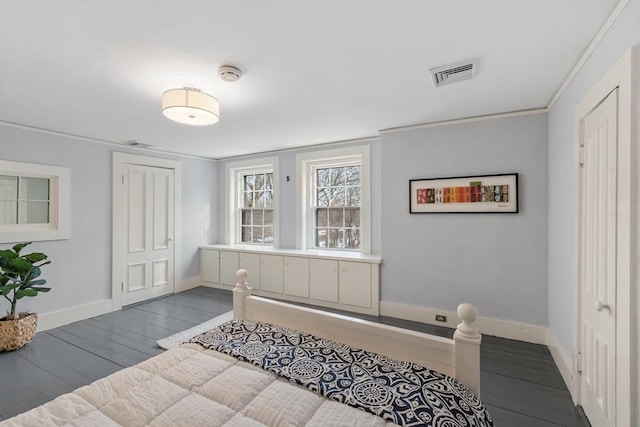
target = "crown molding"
x: 587, y: 53
x: 98, y: 140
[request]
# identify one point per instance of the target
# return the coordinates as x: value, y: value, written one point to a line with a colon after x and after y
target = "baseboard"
x: 563, y: 362
x: 501, y: 328
x: 217, y: 286
x: 53, y: 319
x: 186, y: 284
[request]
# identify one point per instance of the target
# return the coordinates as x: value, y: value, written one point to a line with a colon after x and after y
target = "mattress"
x: 192, y: 386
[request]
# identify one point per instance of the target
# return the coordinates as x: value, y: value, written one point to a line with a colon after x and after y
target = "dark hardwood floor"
x: 521, y: 385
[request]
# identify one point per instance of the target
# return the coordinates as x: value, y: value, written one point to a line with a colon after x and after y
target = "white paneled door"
x: 597, y: 258
x: 148, y: 233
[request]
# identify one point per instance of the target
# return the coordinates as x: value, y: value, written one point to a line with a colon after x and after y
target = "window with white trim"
x: 334, y: 210
x: 256, y: 212
x: 252, y: 214
x: 34, y: 202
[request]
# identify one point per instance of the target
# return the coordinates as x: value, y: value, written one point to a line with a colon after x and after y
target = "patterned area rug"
x: 181, y: 337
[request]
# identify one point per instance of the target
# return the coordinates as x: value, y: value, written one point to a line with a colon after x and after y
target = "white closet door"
x: 598, y: 262
x: 149, y: 228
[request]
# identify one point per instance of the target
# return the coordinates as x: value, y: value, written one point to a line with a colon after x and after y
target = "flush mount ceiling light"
x: 190, y: 106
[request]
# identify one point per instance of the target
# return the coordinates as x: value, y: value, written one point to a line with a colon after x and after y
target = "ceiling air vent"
x: 453, y: 73
x: 134, y: 143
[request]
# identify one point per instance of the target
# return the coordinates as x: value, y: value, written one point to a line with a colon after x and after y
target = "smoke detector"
x: 229, y: 73
x: 453, y: 73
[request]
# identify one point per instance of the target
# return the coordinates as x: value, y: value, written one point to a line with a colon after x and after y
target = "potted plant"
x: 19, y: 278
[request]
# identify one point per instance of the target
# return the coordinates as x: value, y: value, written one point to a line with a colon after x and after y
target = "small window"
x: 24, y: 200
x: 257, y: 209
x: 252, y: 202
x: 34, y: 202
x: 337, y: 194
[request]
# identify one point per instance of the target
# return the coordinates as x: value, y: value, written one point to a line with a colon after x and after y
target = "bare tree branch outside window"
x: 256, y: 213
x: 337, y: 207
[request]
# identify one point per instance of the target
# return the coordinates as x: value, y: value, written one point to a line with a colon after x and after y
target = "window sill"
x: 308, y: 253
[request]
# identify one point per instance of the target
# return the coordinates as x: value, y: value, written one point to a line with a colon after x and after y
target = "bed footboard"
x: 458, y: 357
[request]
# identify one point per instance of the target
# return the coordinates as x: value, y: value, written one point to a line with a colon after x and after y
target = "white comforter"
x: 191, y: 386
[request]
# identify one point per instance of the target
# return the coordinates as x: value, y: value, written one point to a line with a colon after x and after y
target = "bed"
x: 278, y: 364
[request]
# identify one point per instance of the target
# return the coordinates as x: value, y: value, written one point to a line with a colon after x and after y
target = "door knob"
x: 169, y: 239
x: 600, y: 306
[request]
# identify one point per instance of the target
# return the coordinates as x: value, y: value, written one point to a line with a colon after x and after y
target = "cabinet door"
x: 323, y: 280
x: 355, y: 283
x: 228, y: 267
x: 251, y: 263
x: 296, y: 276
x: 271, y: 273
x: 210, y: 265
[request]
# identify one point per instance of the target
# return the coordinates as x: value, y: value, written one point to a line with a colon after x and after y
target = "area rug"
x: 176, y: 339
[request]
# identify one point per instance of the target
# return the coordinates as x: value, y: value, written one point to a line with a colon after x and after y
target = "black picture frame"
x: 496, y: 193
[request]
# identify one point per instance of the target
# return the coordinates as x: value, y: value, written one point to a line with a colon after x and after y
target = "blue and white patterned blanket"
x: 402, y: 392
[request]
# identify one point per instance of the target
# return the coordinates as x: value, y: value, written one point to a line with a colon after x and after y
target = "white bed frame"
x: 458, y: 357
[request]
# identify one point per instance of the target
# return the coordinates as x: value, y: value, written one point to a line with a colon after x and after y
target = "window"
x: 334, y: 207
x: 336, y: 219
x: 257, y: 209
x: 24, y: 200
x: 252, y: 192
x: 34, y: 202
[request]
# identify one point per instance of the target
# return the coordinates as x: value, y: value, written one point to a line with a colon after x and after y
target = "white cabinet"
x: 210, y: 266
x: 355, y: 283
x: 271, y: 273
x: 228, y: 267
x: 251, y: 263
x: 323, y: 280
x: 296, y: 276
x: 345, y: 281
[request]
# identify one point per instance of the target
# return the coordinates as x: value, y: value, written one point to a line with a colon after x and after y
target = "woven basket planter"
x: 14, y: 334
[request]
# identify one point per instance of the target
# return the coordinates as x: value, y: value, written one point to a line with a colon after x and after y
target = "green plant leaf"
x: 17, y: 248
x: 39, y: 282
x: 40, y: 289
x: 21, y: 293
x: 31, y: 274
x: 7, y: 255
x: 20, y: 265
x: 6, y: 289
x: 35, y: 257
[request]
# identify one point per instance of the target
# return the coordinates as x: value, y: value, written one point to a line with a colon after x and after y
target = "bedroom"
x: 66, y: 102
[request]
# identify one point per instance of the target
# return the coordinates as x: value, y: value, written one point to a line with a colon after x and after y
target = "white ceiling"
x: 314, y: 71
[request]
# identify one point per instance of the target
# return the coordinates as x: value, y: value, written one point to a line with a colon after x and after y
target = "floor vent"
x: 453, y: 73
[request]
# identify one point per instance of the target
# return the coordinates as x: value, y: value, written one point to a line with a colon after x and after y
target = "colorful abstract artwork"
x: 486, y: 193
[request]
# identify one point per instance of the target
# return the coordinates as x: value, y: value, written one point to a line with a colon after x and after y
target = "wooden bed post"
x: 467, y: 341
x: 240, y: 293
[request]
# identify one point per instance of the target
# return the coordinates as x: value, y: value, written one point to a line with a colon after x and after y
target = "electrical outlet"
x: 441, y: 318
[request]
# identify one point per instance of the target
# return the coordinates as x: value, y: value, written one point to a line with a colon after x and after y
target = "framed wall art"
x: 465, y: 194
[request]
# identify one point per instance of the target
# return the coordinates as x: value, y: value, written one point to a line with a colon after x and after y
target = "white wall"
x: 497, y: 262
x: 624, y: 33
x: 80, y: 272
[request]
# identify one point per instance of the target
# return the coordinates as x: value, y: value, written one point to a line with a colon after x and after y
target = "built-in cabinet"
x: 296, y: 276
x: 346, y: 281
x: 228, y: 267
